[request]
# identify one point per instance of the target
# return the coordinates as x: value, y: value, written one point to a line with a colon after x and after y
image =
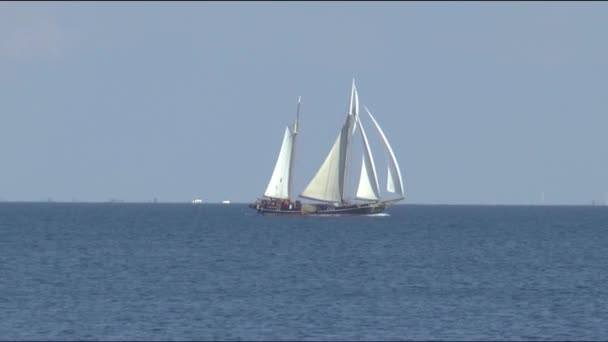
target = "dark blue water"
x: 159, y: 272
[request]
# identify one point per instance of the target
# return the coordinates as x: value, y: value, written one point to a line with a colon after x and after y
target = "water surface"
x: 218, y: 272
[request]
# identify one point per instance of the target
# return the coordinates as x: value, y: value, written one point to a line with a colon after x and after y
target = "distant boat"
x: 329, y: 183
x: 278, y: 195
x: 226, y: 202
x: 197, y: 201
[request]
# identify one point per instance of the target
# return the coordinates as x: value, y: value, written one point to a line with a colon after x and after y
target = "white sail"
x: 327, y: 184
x: 293, y: 149
x: 394, y: 182
x: 354, y: 105
x: 368, y: 181
x: 278, y: 187
x: 390, y: 185
x: 349, y: 130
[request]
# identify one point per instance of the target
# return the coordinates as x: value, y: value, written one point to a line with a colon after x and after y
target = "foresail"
x: 278, y: 187
x: 390, y: 185
x: 327, y: 184
x: 394, y: 181
x: 368, y: 181
x: 365, y: 190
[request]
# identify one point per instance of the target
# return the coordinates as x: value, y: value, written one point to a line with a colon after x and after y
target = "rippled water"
x: 160, y: 271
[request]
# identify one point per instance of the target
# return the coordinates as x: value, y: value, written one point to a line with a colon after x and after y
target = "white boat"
x: 197, y: 201
x: 225, y: 202
x: 329, y: 184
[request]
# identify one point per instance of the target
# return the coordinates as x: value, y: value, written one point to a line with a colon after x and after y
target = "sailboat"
x: 278, y: 197
x: 329, y: 185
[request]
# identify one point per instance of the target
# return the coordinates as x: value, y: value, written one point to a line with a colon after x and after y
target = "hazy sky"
x: 482, y: 102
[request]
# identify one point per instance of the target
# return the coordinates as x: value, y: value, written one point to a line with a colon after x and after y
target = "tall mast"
x: 293, y: 148
x: 350, y: 122
x: 329, y: 183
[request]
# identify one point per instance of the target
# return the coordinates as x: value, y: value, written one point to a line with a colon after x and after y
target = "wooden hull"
x: 324, y: 210
x: 350, y: 210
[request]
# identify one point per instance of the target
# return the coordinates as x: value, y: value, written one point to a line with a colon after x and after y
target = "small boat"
x: 329, y: 185
x: 278, y: 195
x: 197, y: 201
x: 225, y: 202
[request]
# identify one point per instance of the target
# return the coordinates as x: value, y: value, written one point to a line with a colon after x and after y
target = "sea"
x: 120, y: 271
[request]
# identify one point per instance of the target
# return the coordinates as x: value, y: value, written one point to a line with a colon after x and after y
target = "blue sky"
x: 482, y: 102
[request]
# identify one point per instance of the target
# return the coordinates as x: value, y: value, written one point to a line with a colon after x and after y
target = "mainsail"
x: 353, y: 109
x: 329, y: 183
x: 293, y: 148
x: 394, y: 183
x: 280, y: 185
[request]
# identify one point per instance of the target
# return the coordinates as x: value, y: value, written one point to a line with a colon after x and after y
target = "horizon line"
x: 592, y: 203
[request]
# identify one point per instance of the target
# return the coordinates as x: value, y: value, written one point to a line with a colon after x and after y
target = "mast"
x: 293, y: 149
x: 351, y: 123
x: 329, y: 183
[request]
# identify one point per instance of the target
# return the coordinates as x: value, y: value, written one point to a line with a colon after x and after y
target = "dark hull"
x: 363, y: 209
x: 275, y: 211
x: 324, y: 210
